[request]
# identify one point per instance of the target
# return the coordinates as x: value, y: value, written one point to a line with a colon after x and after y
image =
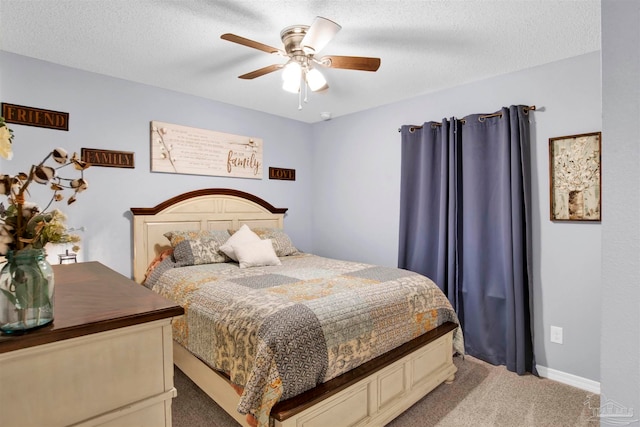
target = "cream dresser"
x: 105, y: 361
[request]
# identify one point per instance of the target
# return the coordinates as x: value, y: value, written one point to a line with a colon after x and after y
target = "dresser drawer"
x: 90, y: 380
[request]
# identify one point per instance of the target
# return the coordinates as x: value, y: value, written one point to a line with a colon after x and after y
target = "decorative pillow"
x: 256, y: 254
x: 154, y: 274
x: 243, y: 235
x: 282, y: 244
x: 198, y: 247
x: 157, y: 260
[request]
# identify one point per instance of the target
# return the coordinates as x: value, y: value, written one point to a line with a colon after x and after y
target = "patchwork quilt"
x: 278, y: 331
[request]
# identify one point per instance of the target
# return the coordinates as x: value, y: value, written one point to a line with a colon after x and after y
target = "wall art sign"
x: 574, y: 177
x: 38, y: 117
x: 282, y: 174
x: 108, y: 158
x: 187, y: 150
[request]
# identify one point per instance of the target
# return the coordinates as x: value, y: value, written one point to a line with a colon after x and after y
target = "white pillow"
x: 243, y: 235
x: 256, y: 254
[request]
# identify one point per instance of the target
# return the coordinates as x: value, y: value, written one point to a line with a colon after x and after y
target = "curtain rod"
x: 481, y: 118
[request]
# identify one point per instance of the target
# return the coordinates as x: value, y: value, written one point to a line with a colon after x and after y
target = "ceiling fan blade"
x: 251, y: 43
x: 321, y: 31
x: 261, y: 72
x: 361, y: 63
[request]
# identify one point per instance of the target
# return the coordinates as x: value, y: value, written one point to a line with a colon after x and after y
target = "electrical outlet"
x: 556, y: 334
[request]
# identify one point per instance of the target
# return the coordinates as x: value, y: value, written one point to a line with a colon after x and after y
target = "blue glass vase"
x: 26, y: 291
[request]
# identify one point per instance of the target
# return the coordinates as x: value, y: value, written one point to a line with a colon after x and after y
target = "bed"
x: 342, y: 379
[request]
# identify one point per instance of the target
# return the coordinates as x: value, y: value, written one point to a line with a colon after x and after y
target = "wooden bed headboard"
x: 206, y: 209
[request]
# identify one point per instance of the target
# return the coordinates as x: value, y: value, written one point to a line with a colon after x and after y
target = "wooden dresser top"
x: 89, y: 298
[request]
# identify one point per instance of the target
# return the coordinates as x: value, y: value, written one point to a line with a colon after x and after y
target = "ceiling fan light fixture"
x: 316, y: 80
x: 291, y: 74
x: 291, y: 86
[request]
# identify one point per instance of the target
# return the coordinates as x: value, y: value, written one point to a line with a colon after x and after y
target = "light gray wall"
x: 344, y: 203
x: 114, y: 114
x: 356, y: 198
x: 620, y: 333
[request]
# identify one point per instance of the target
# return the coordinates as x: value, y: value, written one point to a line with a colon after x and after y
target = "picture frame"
x: 575, y: 183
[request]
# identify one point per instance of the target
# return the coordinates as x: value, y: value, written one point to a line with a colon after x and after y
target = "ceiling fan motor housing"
x: 292, y: 37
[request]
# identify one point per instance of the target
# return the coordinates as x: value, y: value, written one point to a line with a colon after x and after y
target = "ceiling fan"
x: 301, y: 44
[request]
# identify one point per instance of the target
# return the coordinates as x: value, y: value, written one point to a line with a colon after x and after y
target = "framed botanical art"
x: 574, y: 177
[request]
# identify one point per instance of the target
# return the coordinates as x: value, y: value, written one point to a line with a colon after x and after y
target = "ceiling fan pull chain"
x: 300, y: 99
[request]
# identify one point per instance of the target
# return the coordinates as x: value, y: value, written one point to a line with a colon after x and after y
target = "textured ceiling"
x: 425, y: 46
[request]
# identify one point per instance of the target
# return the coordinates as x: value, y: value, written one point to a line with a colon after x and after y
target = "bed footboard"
x: 373, y: 394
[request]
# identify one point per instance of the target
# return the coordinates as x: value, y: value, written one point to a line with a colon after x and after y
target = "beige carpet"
x: 482, y: 395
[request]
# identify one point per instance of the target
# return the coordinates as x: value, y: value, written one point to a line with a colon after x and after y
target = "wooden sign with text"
x: 109, y: 158
x: 38, y: 117
x: 282, y: 174
x: 195, y: 151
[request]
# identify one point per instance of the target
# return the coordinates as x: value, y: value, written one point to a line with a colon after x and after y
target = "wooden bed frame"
x: 372, y: 394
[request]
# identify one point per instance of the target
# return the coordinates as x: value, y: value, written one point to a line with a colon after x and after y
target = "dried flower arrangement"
x: 23, y: 225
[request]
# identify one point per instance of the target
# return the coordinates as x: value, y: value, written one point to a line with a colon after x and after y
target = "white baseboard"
x: 569, y: 379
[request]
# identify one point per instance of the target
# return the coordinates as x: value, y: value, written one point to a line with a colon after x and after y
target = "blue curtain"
x: 465, y: 222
